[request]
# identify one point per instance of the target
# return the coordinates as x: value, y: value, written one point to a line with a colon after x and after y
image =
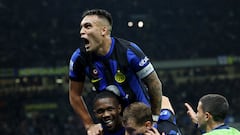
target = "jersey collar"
x: 224, y: 126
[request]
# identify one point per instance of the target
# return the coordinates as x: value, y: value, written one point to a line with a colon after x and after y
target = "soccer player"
x: 211, y: 112
x: 137, y: 119
x: 107, y: 109
x: 110, y: 62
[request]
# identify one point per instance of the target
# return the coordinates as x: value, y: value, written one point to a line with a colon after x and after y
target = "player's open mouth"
x: 108, y: 122
x: 85, y: 41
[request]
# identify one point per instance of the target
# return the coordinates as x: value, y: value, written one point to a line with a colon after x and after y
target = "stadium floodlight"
x: 140, y: 24
x: 130, y: 24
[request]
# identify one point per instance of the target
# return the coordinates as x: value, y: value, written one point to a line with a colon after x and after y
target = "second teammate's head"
x: 107, y: 110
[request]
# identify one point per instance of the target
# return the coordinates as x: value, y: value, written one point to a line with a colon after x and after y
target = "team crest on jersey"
x: 119, y: 77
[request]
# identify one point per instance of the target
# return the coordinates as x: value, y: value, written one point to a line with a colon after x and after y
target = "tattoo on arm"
x: 155, y: 91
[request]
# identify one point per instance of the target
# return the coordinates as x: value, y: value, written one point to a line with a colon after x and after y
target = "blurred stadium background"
x: 194, y: 45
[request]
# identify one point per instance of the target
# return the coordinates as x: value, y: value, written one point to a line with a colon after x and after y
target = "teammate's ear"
x: 207, y: 115
x: 119, y: 108
x: 148, y: 124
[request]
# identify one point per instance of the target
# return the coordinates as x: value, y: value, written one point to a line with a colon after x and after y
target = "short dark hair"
x: 217, y: 105
x: 100, y: 13
x: 106, y: 94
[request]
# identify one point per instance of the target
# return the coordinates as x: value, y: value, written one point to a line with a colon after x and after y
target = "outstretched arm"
x: 166, y: 104
x: 155, y: 92
x: 192, y: 114
x: 77, y: 102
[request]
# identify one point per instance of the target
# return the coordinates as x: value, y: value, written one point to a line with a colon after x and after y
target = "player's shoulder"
x: 126, y: 43
x: 75, y: 54
x: 228, y: 131
x: 236, y: 131
x: 79, y: 52
x: 121, y: 40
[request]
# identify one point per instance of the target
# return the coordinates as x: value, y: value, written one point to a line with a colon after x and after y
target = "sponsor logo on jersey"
x: 143, y: 61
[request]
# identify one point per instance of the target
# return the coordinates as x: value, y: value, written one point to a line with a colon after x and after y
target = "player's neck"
x: 105, y: 47
x: 214, y: 125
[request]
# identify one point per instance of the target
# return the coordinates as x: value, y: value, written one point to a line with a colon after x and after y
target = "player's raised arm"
x: 192, y: 114
x: 77, y: 102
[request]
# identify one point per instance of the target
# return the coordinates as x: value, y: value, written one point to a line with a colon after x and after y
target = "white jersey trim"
x: 145, y: 71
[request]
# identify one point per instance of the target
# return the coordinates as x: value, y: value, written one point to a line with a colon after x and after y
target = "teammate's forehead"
x: 105, y: 102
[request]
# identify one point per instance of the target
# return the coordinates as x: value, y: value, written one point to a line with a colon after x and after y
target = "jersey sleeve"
x: 76, y: 67
x: 139, y: 62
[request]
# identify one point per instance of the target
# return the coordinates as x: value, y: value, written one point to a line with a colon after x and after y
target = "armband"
x: 155, y: 118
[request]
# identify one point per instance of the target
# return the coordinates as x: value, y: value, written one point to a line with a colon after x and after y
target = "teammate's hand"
x: 191, y: 113
x: 152, y: 131
x: 95, y: 129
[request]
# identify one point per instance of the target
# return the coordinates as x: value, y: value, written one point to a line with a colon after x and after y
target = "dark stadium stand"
x: 45, y: 33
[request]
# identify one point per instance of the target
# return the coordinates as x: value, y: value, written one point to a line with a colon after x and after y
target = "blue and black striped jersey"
x: 122, y: 67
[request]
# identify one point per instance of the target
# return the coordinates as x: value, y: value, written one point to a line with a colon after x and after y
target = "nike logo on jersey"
x: 96, y: 80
